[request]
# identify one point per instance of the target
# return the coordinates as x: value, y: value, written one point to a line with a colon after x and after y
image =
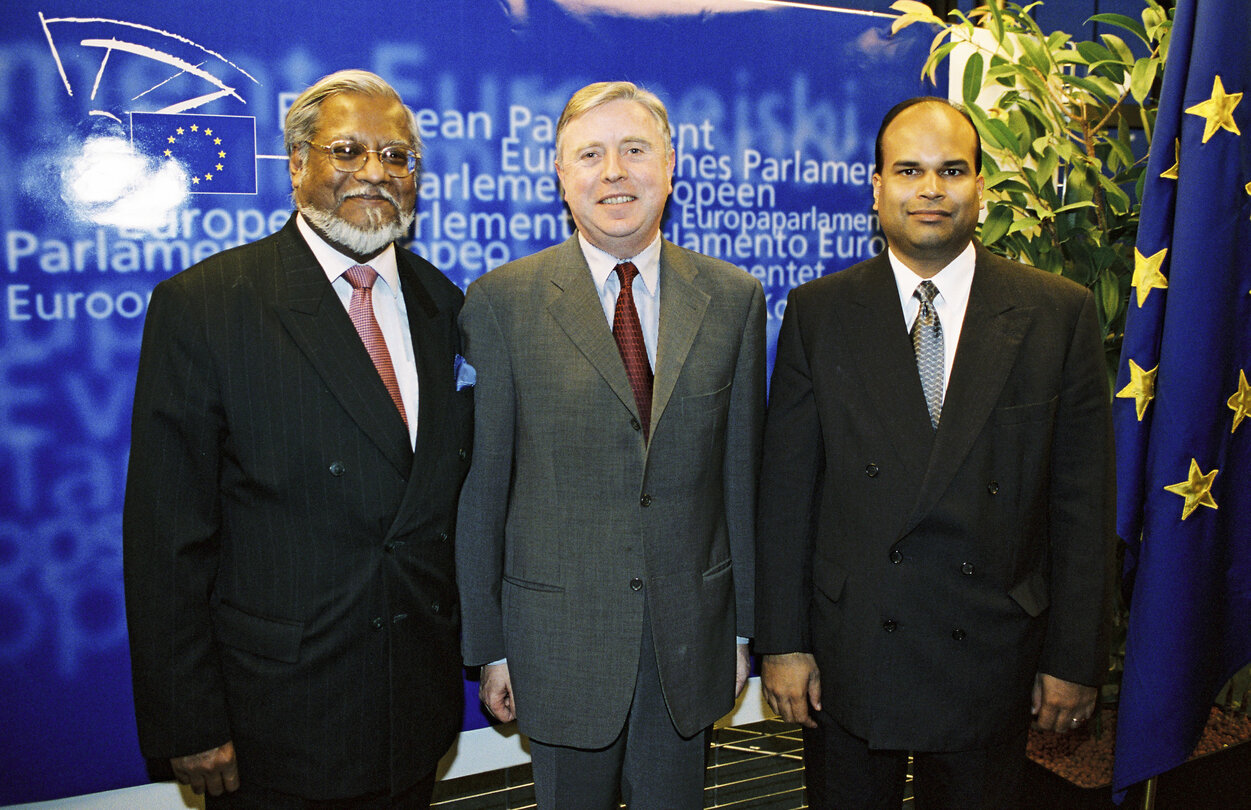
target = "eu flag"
x: 218, y: 152
x: 1183, y: 407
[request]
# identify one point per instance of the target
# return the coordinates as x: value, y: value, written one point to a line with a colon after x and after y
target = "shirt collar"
x: 334, y: 264
x: 602, y: 264
x: 953, y: 281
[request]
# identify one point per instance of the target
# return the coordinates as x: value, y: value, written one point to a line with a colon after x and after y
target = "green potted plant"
x: 1065, y: 126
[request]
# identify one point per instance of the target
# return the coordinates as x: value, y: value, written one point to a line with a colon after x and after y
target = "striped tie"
x: 361, y: 311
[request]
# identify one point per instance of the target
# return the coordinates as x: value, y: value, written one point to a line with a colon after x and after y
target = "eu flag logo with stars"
x: 218, y: 152
x: 1183, y: 399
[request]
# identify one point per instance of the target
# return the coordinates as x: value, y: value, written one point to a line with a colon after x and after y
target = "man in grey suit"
x: 605, y: 544
x: 935, y: 520
x: 298, y: 444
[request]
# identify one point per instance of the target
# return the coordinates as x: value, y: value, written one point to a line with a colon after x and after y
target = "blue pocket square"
x: 465, y: 374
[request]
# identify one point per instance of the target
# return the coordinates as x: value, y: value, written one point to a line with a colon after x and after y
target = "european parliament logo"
x: 217, y: 152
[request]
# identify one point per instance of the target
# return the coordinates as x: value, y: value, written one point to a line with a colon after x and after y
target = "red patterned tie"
x: 361, y: 311
x: 629, y: 334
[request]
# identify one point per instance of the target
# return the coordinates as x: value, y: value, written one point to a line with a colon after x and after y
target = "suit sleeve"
x: 484, y: 498
x: 742, y: 460
x: 171, y: 531
x: 1081, y: 512
x: 790, y: 480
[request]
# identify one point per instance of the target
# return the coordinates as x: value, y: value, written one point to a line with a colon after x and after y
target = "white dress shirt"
x: 953, y: 282
x: 389, y: 310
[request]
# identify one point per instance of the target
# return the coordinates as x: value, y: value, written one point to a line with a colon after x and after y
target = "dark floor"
x: 756, y: 766
x: 759, y: 766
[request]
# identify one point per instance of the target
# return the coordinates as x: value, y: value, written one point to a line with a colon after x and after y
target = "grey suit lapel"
x: 682, y: 307
x: 990, y: 342
x: 578, y: 310
x: 320, y: 326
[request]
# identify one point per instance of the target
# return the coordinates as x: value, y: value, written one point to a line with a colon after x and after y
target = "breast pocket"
x: 703, y: 419
x: 1024, y: 414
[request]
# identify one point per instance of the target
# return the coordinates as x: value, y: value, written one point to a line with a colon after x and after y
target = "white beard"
x: 367, y: 241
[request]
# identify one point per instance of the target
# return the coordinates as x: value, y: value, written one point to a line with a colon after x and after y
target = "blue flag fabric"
x: 218, y: 152
x: 1183, y: 406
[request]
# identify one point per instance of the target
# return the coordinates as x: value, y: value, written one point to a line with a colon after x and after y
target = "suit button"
x: 636, y: 584
x: 389, y: 547
x: 462, y: 454
x: 958, y: 635
x: 442, y: 537
x: 634, y: 423
x: 967, y: 569
x: 435, y: 607
x: 399, y: 617
x: 337, y: 468
x: 378, y: 623
x: 896, y: 556
x: 889, y: 625
x: 993, y: 487
x: 871, y: 470
x: 646, y: 500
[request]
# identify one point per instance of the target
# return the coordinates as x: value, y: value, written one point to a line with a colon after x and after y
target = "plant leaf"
x: 1121, y: 21
x: 997, y: 223
x: 1142, y: 78
x: 1119, y: 48
x: 972, y: 78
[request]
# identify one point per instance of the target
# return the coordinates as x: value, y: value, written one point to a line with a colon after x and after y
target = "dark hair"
x: 894, y: 112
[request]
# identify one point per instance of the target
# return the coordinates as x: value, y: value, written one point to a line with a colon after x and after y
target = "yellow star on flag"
x: 195, y: 180
x: 1171, y: 172
x: 218, y: 167
x: 168, y: 153
x: 172, y: 139
x: 1218, y: 111
x: 217, y: 141
x: 1141, y: 388
x: 195, y: 127
x: 1147, y: 274
x: 179, y: 131
x: 221, y: 154
x: 208, y: 175
x: 1240, y: 402
x: 1196, y: 489
x: 208, y: 131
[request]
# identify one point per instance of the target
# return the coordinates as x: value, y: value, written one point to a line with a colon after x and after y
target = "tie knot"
x: 626, y: 271
x: 926, y: 291
x: 361, y: 276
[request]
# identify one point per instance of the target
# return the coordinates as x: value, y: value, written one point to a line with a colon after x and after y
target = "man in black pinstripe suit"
x: 288, y: 521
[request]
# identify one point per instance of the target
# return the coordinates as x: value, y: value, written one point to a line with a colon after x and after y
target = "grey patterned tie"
x: 927, y: 344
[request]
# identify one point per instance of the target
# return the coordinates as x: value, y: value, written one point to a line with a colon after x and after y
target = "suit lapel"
x: 990, y: 341
x: 317, y: 322
x: 682, y: 307
x: 578, y: 310
x: 888, y: 367
x: 435, y: 384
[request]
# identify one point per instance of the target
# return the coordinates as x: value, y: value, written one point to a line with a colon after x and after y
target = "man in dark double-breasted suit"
x: 299, y: 440
x: 935, y: 499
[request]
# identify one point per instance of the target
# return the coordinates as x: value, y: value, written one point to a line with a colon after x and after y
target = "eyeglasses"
x: 351, y: 156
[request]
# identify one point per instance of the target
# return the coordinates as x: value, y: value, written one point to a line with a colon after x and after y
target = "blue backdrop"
x: 139, y: 138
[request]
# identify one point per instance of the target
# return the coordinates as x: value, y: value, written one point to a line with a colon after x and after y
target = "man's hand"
x: 742, y: 669
x: 495, y: 690
x: 1061, y: 706
x: 213, y: 770
x: 792, y: 683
